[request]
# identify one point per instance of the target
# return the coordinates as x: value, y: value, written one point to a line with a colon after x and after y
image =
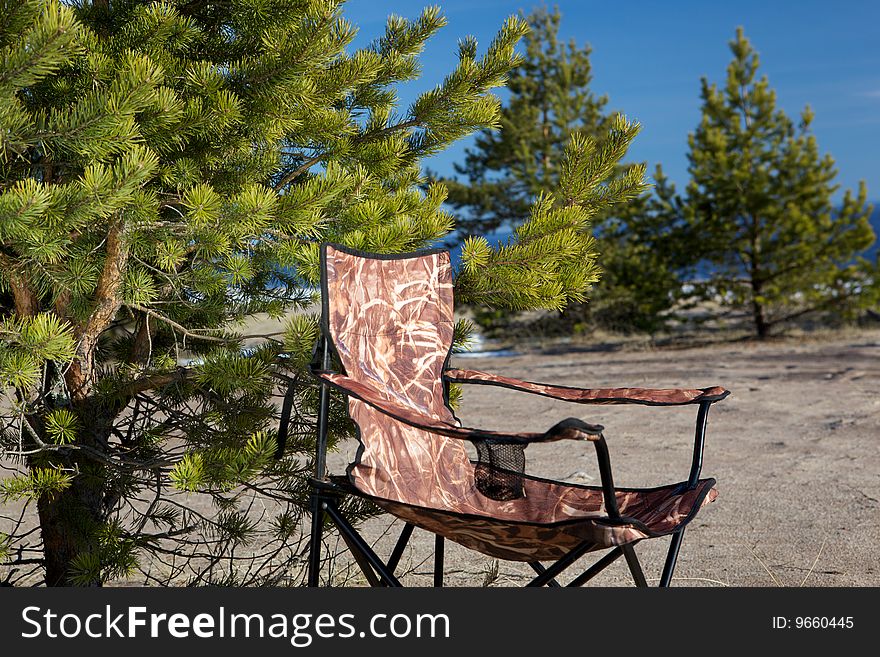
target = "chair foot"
x: 361, y: 548
x: 438, y: 560
x: 597, y: 567
x: 402, y: 542
x: 538, y: 567
x: 671, y: 558
x: 634, y: 566
x: 314, y: 568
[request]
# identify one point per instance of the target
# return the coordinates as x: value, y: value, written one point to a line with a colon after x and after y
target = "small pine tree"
x: 168, y: 170
x: 550, y: 101
x: 761, y: 201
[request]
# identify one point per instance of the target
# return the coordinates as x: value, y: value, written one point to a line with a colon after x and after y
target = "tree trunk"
x: 70, y: 520
x: 757, y: 281
x: 761, y: 326
x: 68, y: 524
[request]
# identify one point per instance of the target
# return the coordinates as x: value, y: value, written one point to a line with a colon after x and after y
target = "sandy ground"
x: 794, y: 450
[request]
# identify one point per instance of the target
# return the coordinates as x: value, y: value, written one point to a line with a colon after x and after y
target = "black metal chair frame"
x: 326, y: 495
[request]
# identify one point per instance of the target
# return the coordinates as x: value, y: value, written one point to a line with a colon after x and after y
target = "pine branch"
x: 360, y: 139
x: 190, y: 333
x: 823, y: 304
x: 44, y: 48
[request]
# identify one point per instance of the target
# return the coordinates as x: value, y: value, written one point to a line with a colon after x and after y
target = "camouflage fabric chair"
x: 388, y: 320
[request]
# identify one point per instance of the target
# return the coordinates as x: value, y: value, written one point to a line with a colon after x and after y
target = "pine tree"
x: 550, y: 101
x: 761, y: 198
x: 167, y: 171
x: 651, y: 251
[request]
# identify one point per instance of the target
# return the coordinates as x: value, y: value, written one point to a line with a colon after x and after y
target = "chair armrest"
x: 645, y: 396
x: 569, y: 429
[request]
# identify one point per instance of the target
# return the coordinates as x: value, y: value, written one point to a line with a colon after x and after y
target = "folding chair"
x: 388, y: 320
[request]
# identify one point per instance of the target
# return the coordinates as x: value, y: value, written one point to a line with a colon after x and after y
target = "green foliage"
x: 462, y: 335
x: 549, y: 102
x: 114, y: 556
x: 189, y: 472
x: 300, y: 336
x: 760, y: 196
x: 650, y: 250
x: 550, y: 261
x: 226, y: 467
x: 61, y: 426
x: 36, y: 484
x: 510, y: 175
x: 227, y: 372
x: 28, y: 342
x: 36, y: 40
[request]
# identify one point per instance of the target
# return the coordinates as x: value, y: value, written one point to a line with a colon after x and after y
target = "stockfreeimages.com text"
x: 299, y: 629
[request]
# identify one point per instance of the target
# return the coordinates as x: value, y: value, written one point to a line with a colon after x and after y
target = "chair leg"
x: 438, y: 560
x: 402, y: 542
x: 562, y: 564
x: 314, y: 569
x: 597, y: 567
x: 634, y: 566
x: 538, y: 567
x: 671, y: 558
x: 362, y: 562
x: 358, y: 544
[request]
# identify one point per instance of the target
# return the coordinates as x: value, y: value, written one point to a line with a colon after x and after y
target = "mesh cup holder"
x: 499, y: 469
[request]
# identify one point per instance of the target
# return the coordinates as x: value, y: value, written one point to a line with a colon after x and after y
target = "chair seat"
x: 647, y: 513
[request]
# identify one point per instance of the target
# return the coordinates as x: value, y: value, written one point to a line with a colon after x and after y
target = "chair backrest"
x: 390, y: 322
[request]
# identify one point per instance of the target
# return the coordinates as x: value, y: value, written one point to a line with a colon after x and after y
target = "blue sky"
x: 648, y: 57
